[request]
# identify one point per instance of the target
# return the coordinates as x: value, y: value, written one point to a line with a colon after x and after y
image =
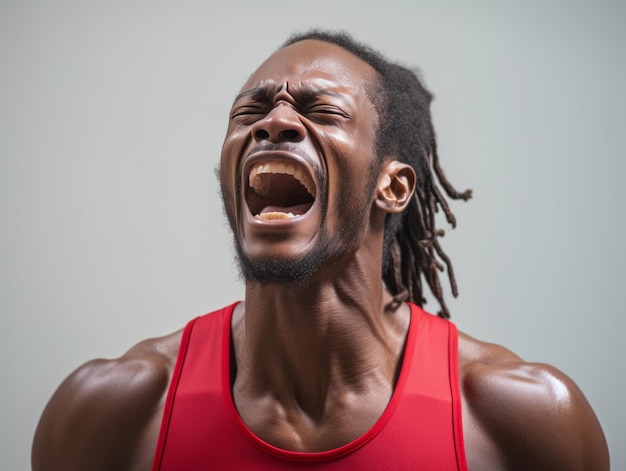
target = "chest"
x: 418, y: 427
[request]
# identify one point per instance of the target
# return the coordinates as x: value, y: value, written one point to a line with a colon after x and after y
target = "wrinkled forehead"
x: 318, y: 64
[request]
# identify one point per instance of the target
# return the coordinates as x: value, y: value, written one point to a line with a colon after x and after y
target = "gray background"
x: 112, y: 115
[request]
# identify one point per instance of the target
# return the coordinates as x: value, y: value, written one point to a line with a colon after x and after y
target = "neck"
x: 308, y: 344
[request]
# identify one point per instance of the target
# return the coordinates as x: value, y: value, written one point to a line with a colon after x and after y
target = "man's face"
x: 298, y: 165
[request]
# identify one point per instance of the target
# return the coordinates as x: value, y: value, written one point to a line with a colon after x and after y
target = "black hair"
x: 411, y: 247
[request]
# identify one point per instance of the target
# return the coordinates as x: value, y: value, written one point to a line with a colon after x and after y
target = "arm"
x: 106, y: 415
x: 527, y: 415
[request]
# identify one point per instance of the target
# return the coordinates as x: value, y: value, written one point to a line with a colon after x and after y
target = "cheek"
x: 227, y: 169
x: 354, y: 158
x: 349, y: 188
x: 233, y: 149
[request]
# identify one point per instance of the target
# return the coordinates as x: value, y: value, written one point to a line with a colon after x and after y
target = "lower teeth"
x: 275, y: 215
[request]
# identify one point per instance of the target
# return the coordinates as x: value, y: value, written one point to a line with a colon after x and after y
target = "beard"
x: 284, y: 270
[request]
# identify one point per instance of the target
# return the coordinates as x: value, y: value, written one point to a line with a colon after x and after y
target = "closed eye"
x: 246, y: 110
x: 327, y: 111
x: 248, y: 114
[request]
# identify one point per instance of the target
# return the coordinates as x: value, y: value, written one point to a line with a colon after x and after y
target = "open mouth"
x: 279, y: 190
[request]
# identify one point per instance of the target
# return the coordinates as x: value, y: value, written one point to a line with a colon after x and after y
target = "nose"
x: 281, y: 124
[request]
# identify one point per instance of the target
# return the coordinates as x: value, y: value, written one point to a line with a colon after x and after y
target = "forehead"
x: 314, y: 63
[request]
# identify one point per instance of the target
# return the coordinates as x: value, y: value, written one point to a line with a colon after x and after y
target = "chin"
x: 299, y: 268
x: 278, y: 270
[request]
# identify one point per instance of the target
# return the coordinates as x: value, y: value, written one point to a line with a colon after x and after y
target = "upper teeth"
x: 279, y: 167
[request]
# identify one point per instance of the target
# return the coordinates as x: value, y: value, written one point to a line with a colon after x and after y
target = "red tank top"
x: 419, y: 430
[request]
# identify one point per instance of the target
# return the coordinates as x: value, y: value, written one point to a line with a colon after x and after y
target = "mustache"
x: 267, y: 146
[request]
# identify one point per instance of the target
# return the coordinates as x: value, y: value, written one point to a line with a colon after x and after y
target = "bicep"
x: 65, y: 436
x: 539, y: 418
x: 576, y: 438
x: 97, y: 416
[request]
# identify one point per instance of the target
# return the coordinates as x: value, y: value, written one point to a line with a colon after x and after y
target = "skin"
x: 337, y: 337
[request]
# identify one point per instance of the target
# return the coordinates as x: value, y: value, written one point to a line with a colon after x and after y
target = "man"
x: 329, y: 175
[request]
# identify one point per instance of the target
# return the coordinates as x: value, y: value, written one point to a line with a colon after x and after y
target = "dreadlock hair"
x: 411, y: 247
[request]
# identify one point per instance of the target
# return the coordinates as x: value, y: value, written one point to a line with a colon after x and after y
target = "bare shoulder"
x: 106, y: 414
x: 520, y: 415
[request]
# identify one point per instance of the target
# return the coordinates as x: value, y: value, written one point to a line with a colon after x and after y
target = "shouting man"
x: 330, y: 180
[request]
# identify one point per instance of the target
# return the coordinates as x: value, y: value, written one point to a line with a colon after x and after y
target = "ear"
x: 396, y: 184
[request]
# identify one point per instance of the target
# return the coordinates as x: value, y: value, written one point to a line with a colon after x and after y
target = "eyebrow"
x: 258, y: 93
x: 308, y: 93
x: 305, y: 92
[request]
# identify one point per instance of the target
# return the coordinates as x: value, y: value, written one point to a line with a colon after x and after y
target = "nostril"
x: 288, y: 134
x: 261, y: 134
